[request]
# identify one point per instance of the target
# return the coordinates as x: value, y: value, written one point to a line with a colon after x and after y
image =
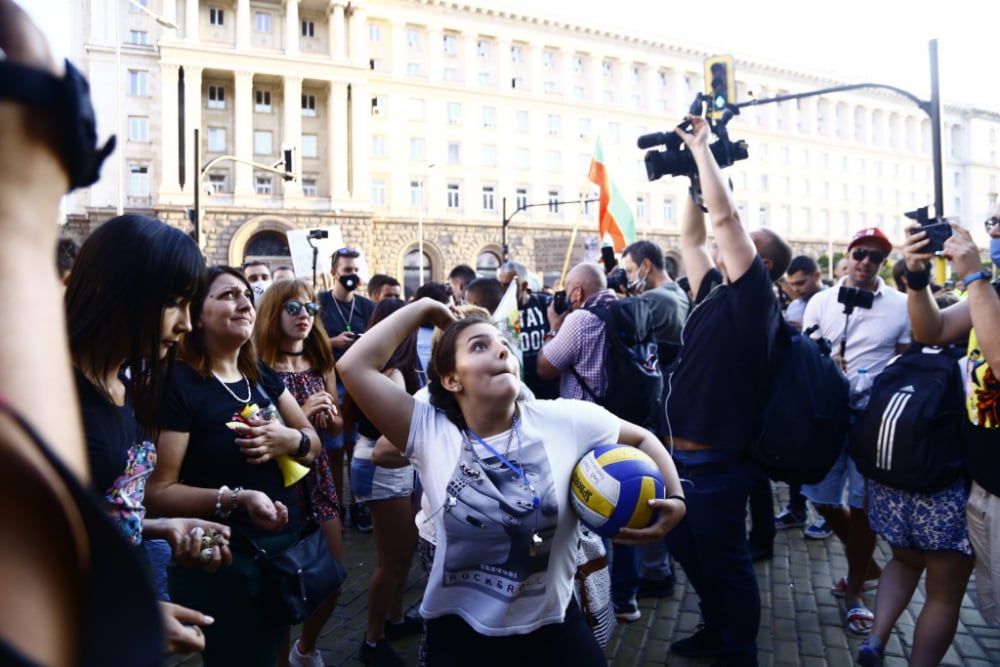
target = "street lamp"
x: 118, y: 97
x: 507, y: 218
x: 420, y: 225
x: 196, y: 214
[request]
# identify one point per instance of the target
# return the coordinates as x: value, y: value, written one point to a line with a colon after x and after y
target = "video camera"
x: 676, y: 160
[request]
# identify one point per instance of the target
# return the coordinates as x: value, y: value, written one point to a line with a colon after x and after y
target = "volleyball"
x: 610, y: 488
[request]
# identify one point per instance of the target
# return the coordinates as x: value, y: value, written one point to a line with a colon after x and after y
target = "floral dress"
x: 319, y: 483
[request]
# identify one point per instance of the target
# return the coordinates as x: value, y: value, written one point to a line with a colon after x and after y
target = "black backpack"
x: 806, y: 414
x: 634, y: 377
x: 910, y: 437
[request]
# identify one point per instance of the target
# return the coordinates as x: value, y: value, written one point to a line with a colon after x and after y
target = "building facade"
x: 417, y: 123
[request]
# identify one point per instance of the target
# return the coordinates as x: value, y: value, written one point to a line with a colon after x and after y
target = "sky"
x: 884, y: 41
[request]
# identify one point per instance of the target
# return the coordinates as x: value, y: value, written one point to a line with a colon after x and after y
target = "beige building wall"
x: 406, y: 114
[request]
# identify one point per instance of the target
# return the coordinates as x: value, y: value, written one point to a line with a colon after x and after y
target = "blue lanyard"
x: 535, y: 500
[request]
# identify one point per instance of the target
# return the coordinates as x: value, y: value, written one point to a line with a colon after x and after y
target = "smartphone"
x: 937, y: 232
x: 559, y: 302
x: 608, y: 258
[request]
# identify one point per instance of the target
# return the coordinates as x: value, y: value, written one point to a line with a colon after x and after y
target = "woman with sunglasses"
x: 299, y: 351
x: 219, y: 455
x: 496, y: 596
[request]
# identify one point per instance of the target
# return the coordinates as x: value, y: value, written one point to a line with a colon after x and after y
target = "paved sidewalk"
x: 801, y: 622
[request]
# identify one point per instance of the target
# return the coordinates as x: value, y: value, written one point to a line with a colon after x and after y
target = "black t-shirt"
x: 201, y: 407
x: 337, y: 314
x: 719, y: 380
x: 534, y: 326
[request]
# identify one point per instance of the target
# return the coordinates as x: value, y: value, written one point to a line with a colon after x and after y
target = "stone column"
x: 292, y: 27
x: 359, y: 32
x: 400, y: 49
x: 169, y: 13
x: 292, y: 137
x: 337, y: 115
x: 435, y: 54
x: 338, y: 31
x: 360, y: 126
x: 191, y: 20
x: 243, y: 133
x: 168, y: 134
x: 243, y: 16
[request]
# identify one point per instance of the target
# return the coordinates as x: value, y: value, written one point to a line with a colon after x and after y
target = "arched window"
x: 267, y: 245
x: 487, y: 264
x: 412, y: 269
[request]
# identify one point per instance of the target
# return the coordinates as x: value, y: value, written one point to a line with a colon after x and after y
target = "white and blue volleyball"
x: 611, y: 486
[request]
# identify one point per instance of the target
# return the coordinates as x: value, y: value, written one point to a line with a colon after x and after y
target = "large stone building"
x: 418, y: 118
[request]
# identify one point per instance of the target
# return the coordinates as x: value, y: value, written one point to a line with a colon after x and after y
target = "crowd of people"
x: 175, y: 420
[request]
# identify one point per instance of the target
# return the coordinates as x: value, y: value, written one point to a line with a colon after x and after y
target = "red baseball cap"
x: 871, y: 234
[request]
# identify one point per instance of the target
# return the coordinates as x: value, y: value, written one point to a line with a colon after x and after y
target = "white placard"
x: 302, y: 254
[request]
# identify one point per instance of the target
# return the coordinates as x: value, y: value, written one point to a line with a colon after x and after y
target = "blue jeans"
x: 710, y: 543
x: 624, y: 572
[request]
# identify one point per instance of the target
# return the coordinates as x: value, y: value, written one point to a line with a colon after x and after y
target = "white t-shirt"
x: 872, y: 333
x: 484, y: 515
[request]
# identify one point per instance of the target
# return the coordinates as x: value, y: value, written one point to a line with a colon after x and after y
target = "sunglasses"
x: 348, y: 252
x: 859, y: 254
x: 293, y: 308
x: 990, y: 223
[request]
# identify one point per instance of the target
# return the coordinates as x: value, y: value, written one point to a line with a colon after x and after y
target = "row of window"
x: 261, y: 22
x: 263, y: 184
x: 484, y: 49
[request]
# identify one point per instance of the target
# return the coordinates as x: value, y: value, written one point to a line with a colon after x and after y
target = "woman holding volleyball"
x: 496, y: 474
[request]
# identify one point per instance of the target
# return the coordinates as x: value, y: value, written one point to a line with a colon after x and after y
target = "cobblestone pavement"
x: 801, y: 622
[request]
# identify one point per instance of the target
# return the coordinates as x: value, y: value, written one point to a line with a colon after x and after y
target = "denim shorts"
x: 830, y: 491
x: 372, y: 482
x: 923, y: 521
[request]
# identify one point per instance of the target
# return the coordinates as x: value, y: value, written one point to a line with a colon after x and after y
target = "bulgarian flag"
x: 615, y: 215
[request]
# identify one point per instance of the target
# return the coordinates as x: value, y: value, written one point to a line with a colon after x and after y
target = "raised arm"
x: 931, y: 325
x: 694, y: 248
x: 386, y: 404
x: 735, y: 245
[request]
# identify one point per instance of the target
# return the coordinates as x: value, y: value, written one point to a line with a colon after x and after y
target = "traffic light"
x: 720, y: 84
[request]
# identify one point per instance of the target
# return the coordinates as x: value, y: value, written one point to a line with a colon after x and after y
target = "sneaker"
x: 653, y: 588
x: 703, y: 643
x: 410, y: 625
x: 871, y: 653
x: 820, y: 530
x: 361, y: 518
x: 789, y: 519
x: 628, y: 612
x: 297, y: 659
x: 380, y: 655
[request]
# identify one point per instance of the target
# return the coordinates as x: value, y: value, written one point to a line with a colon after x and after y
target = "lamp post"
x: 507, y: 218
x: 285, y: 174
x: 120, y: 208
x: 420, y: 226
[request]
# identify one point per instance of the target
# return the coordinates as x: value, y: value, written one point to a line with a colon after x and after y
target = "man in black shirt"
x: 345, y: 317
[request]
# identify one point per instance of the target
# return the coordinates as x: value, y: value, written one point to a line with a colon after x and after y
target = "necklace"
x: 293, y: 354
x: 506, y: 453
x: 350, y: 316
x: 232, y: 393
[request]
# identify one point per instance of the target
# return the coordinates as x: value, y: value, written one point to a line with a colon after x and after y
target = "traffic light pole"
x: 931, y: 107
x: 285, y: 174
x: 507, y: 218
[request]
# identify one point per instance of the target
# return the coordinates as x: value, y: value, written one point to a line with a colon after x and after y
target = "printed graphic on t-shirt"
x: 534, y: 326
x: 492, y: 524
x: 129, y: 490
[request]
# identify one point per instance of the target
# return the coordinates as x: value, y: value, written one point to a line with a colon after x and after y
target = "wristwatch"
x: 304, y: 445
x: 973, y: 277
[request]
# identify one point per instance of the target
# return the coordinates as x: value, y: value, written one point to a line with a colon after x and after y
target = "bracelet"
x: 304, y: 445
x: 548, y: 336
x: 918, y: 280
x: 218, y: 504
x: 232, y: 505
x: 676, y: 497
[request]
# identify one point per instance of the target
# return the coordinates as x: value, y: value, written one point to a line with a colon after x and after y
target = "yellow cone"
x: 292, y: 470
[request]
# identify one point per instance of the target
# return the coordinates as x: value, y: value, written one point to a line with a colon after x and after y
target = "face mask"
x: 638, y: 286
x: 995, y: 251
x: 258, y: 289
x: 350, y: 282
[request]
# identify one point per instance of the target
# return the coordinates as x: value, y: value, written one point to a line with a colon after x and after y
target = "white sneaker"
x: 296, y: 659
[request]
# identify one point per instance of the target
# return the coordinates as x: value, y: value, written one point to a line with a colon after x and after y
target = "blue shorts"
x: 830, y: 491
x: 372, y: 482
x: 923, y: 521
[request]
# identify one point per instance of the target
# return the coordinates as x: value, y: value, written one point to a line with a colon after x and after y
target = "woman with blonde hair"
x: 289, y: 341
